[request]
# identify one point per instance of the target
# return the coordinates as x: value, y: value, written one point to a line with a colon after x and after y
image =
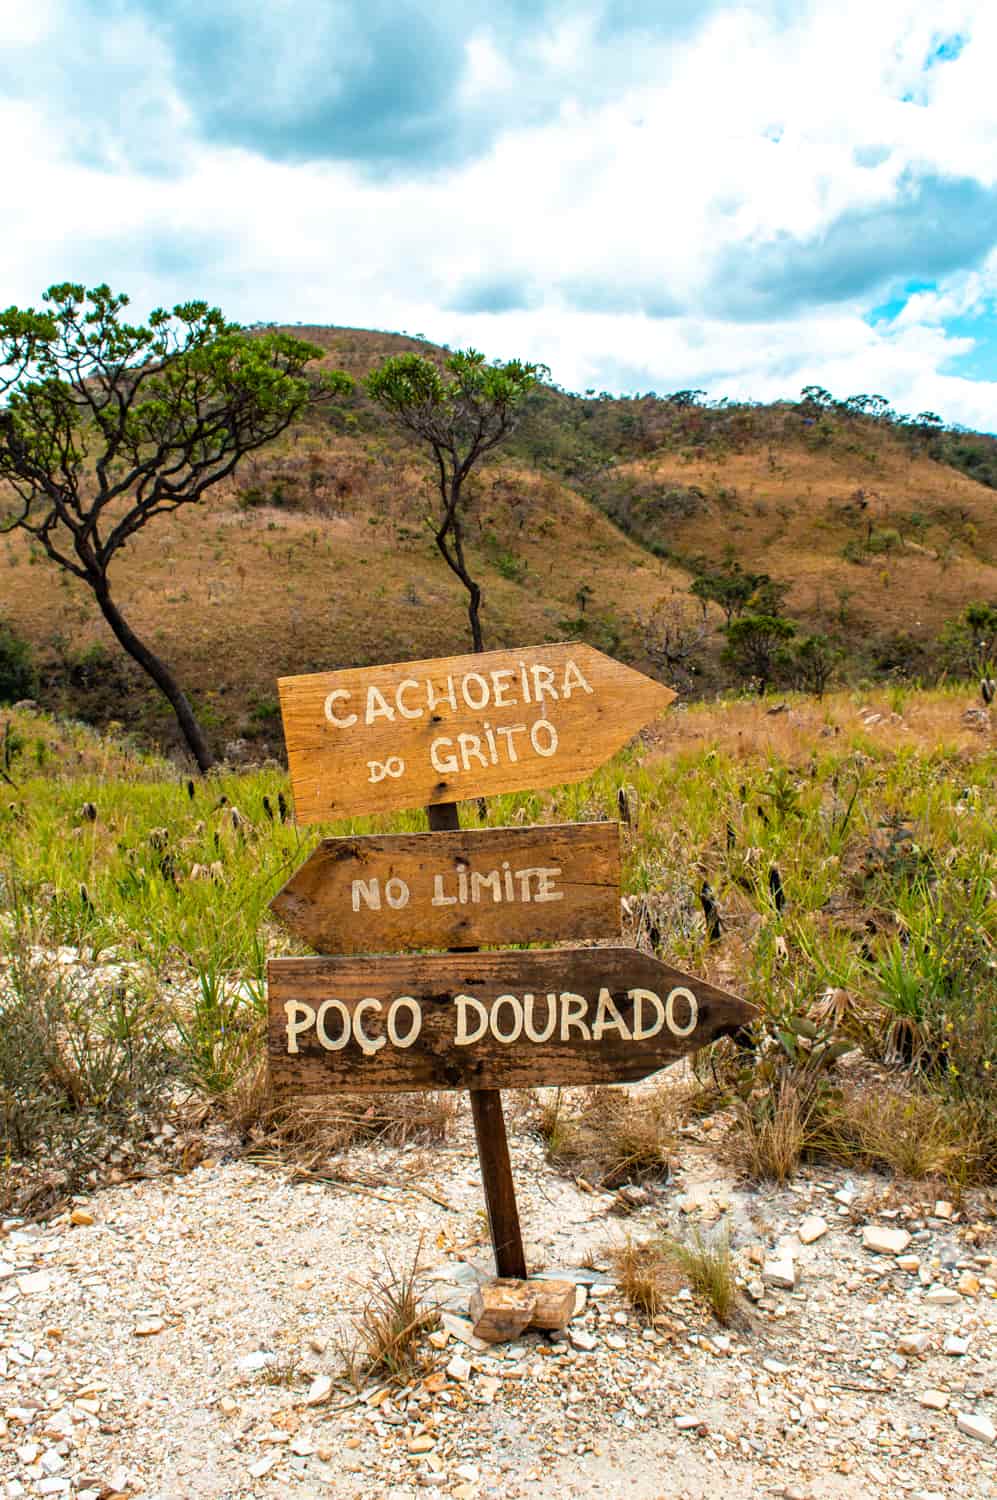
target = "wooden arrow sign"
x: 486, y: 1020
x: 423, y: 732
x: 467, y: 889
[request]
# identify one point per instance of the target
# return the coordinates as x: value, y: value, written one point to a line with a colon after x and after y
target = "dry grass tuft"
x: 610, y: 1136
x: 387, y: 1334
x: 649, y: 1272
x: 646, y: 1274
x: 770, y: 1136
x: 308, y: 1131
x: 705, y: 1261
x: 915, y: 1135
x: 912, y: 1133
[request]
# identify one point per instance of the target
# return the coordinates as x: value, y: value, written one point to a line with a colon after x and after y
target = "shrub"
x: 79, y: 1067
x: 815, y: 660
x: 756, y: 645
x: 18, y: 678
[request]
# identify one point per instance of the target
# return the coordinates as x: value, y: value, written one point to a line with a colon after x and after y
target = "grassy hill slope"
x: 317, y: 554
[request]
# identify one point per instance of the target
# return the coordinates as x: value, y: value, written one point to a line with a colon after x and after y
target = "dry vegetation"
x: 317, y: 555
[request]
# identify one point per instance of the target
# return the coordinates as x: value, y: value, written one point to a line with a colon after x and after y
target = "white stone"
x: 976, y: 1425
x: 582, y: 1339
x: 35, y: 1283
x: 884, y: 1241
x: 459, y: 1369
x: 249, y: 1364
x: 811, y: 1229
x: 688, y: 1422
x: 780, y: 1272
x: 911, y: 1263
x: 941, y: 1296
x: 264, y: 1465
x: 955, y: 1345
x: 943, y: 1210
x: 934, y: 1400
x: 320, y: 1390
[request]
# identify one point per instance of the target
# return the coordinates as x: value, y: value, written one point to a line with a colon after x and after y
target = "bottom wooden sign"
x: 486, y: 1020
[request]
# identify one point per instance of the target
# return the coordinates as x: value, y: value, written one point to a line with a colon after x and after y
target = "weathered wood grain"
x: 374, y: 739
x: 399, y: 1023
x: 387, y: 893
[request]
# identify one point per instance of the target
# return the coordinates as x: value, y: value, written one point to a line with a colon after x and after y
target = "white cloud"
x: 698, y: 178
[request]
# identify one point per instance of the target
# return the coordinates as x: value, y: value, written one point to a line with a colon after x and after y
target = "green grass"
x: 886, y: 852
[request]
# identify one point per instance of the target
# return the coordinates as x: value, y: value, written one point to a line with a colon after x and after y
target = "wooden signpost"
x: 536, y: 1018
x: 464, y: 888
x: 430, y: 733
x: 424, y: 732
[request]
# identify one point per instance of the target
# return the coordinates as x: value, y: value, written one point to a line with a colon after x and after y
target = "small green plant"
x: 705, y: 1261
x: 218, y: 1029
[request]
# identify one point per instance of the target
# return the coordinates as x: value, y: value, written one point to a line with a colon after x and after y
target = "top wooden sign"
x: 374, y: 739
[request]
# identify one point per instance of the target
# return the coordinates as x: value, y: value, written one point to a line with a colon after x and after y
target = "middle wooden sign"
x: 462, y: 889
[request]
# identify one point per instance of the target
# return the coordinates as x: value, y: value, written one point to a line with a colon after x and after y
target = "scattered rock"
x: 459, y: 1369
x: 934, y: 1400
x: 884, y: 1241
x: 976, y: 1425
x: 781, y: 1272
x: 148, y: 1327
x: 811, y: 1229
x: 955, y: 1345
x: 582, y: 1339
x: 81, y: 1216
x: 319, y: 1391
x: 938, y: 1295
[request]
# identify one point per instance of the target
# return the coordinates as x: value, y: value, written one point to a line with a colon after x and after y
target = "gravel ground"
x: 171, y: 1342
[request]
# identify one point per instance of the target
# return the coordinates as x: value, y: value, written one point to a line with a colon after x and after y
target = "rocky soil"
x: 178, y: 1337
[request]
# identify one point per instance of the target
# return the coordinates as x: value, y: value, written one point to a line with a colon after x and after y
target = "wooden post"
x: 490, y: 1134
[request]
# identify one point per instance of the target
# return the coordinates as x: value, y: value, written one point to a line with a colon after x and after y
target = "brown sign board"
x: 374, y: 739
x: 486, y: 1020
x: 384, y: 893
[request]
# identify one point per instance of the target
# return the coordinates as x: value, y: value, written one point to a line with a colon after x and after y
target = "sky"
x: 641, y: 194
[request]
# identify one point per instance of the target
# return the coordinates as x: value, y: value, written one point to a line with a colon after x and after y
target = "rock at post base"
x: 555, y: 1304
x: 502, y: 1308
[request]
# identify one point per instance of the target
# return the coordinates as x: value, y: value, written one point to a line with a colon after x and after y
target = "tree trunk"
x: 454, y: 560
x: 161, y: 676
x: 473, y: 606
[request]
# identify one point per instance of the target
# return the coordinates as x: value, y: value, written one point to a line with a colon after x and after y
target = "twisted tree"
x: 105, y: 425
x: 461, y: 412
